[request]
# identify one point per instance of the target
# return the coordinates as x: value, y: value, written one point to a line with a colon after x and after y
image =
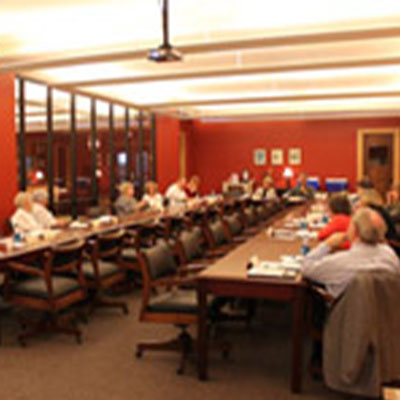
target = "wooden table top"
x: 57, y: 237
x: 51, y: 238
x: 233, y: 266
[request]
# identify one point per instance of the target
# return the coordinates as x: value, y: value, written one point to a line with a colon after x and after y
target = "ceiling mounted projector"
x: 165, y: 52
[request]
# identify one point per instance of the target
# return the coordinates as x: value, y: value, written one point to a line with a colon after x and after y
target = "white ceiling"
x: 241, y: 59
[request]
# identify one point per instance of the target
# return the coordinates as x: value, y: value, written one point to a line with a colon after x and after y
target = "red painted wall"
x: 328, y: 147
x: 167, y: 150
x: 8, y: 148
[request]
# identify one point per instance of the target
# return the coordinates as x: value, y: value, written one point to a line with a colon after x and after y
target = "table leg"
x: 297, y: 340
x: 202, y: 336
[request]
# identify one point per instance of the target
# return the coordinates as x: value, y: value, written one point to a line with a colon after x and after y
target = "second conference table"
x: 228, y: 277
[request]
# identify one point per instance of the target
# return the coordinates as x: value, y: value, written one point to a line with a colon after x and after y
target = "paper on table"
x: 271, y: 269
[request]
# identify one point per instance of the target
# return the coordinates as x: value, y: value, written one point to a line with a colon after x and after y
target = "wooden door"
x: 378, y: 160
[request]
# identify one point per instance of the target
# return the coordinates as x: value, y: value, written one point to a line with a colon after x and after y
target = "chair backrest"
x: 191, y: 241
x: 361, y: 346
x: 217, y: 232
x: 250, y: 215
x: 159, y: 261
x: 234, y: 224
x: 110, y: 243
x: 66, y: 257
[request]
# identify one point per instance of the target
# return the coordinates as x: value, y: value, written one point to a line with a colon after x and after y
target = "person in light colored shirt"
x: 266, y: 191
x: 42, y: 214
x: 126, y: 203
x: 368, y: 252
x: 23, y: 221
x: 176, y: 193
x: 152, y: 197
x: 192, y: 188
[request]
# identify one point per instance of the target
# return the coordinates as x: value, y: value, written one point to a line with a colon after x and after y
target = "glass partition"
x: 79, y: 148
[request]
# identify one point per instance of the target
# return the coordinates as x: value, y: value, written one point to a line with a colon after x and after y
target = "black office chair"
x: 104, y: 270
x: 174, y: 305
x: 52, y: 285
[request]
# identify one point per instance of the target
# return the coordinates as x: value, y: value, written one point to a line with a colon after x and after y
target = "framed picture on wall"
x: 260, y: 157
x: 277, y: 157
x: 294, y: 156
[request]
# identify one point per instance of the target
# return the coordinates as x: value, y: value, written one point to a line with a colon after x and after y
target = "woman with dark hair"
x: 340, y: 210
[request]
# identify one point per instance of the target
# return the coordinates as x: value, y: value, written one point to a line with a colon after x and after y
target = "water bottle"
x: 305, y: 246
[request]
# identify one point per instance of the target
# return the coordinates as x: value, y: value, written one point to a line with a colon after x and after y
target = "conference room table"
x: 85, y: 228
x: 228, y: 277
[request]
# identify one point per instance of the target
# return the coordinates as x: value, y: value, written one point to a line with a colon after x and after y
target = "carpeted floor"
x: 104, y: 366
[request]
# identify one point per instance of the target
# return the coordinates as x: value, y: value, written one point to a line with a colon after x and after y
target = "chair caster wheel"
x: 138, y: 353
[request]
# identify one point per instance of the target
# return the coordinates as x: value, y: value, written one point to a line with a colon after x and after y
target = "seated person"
x: 176, y: 193
x: 266, y: 191
x: 368, y: 252
x: 340, y: 210
x: 42, y: 214
x: 364, y: 184
x: 126, y: 203
x: 301, y: 189
x: 152, y: 197
x: 371, y: 198
x: 246, y: 177
x: 23, y: 221
x: 192, y: 188
x: 393, y: 195
x: 335, y: 271
x: 393, y: 202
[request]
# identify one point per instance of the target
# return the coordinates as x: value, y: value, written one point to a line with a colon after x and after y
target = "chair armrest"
x: 192, y: 268
x: 323, y: 293
x: 25, y: 269
x: 173, y: 281
x: 213, y: 253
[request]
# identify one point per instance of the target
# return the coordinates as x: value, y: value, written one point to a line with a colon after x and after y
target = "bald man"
x: 368, y: 252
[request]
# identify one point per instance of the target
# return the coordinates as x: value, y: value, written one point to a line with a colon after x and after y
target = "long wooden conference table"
x: 228, y: 278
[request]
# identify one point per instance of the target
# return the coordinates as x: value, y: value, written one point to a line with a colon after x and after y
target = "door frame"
x: 182, y: 154
x: 362, y: 133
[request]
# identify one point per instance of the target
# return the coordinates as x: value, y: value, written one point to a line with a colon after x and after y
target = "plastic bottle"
x: 305, y: 246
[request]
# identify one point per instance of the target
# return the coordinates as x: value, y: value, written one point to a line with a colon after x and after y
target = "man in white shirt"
x: 368, y: 252
x: 335, y: 271
x: 176, y: 193
x: 266, y: 191
x: 40, y: 211
x: 23, y: 220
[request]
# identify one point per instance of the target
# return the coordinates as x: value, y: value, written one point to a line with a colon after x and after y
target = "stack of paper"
x: 272, y: 269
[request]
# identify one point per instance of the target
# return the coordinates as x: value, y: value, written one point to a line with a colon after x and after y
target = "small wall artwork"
x: 294, y: 156
x: 277, y: 157
x: 260, y: 157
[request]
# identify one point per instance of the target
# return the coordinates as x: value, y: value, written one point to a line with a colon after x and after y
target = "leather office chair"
x: 174, y: 306
x: 191, y: 251
x: 235, y: 228
x: 217, y: 238
x: 51, y: 285
x: 104, y: 270
x: 250, y: 220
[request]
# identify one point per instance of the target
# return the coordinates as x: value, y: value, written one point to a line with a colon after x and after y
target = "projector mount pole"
x: 165, y: 23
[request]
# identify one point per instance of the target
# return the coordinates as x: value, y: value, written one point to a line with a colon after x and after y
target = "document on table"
x: 285, y: 269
